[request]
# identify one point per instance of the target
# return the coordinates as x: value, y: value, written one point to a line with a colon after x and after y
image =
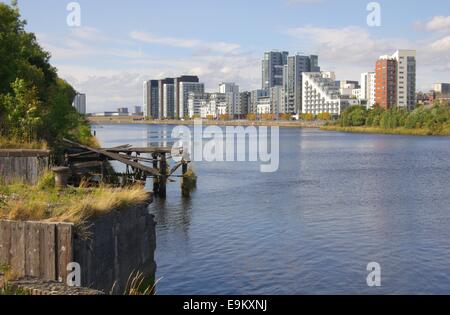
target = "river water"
x: 338, y: 202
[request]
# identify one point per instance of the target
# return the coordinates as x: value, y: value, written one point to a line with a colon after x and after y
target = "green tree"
x: 34, y: 102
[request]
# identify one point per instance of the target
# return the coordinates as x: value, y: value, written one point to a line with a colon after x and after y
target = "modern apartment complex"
x: 442, y: 88
x: 182, y: 86
x: 272, y: 68
x: 168, y: 98
x: 182, y: 97
x: 292, y: 80
x: 368, y: 88
x: 396, y: 80
x: 290, y: 85
x: 321, y: 94
x: 231, y: 91
x: 386, y: 82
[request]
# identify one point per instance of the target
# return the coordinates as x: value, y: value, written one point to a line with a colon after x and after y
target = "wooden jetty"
x: 141, y: 163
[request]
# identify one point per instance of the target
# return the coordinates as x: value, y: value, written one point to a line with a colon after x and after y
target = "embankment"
x: 269, y: 123
x: 379, y: 130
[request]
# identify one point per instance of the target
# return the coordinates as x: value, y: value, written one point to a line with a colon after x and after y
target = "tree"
x: 34, y: 103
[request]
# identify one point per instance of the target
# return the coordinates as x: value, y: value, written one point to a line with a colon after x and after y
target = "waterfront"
x: 338, y: 202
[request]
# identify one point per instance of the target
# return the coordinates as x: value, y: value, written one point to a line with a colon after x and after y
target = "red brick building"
x: 386, y: 82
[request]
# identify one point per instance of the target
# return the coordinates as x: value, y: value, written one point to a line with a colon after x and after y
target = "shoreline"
x: 267, y: 123
x: 382, y: 131
x: 131, y: 121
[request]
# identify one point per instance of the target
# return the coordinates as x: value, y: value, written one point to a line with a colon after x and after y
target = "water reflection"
x: 338, y: 202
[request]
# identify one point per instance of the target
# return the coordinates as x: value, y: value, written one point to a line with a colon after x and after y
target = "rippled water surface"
x: 338, y: 202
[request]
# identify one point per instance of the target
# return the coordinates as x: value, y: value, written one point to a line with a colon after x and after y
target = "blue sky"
x: 121, y: 43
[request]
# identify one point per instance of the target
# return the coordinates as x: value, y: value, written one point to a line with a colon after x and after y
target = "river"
x: 338, y: 202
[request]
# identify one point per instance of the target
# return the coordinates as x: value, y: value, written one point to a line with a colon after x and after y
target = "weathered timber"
x: 23, y: 165
x: 118, y: 157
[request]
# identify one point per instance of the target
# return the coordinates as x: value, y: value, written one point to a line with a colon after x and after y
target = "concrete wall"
x: 108, y: 248
x: 23, y: 165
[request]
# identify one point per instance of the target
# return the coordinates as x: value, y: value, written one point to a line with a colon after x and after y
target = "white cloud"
x: 438, y: 23
x: 151, y: 38
x: 118, y: 82
x: 441, y: 45
x: 351, y: 50
x: 347, y: 45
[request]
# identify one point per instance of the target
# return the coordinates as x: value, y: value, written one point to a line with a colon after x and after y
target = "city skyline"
x: 110, y: 55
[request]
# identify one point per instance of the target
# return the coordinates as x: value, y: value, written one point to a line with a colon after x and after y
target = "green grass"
x: 6, y: 143
x: 396, y: 131
x: 44, y: 202
x: 8, y: 289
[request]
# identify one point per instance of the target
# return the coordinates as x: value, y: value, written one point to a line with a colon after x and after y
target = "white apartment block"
x: 277, y: 100
x: 372, y: 81
x: 146, y: 98
x: 321, y: 95
x: 356, y: 93
x: 406, y: 78
x: 185, y: 89
x: 208, y: 105
x: 195, y: 103
x: 231, y: 91
x: 264, y: 106
x: 79, y: 103
x: 368, y: 88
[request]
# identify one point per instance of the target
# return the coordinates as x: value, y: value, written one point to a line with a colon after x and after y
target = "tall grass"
x: 46, y: 203
x: 394, y: 131
x: 6, y: 143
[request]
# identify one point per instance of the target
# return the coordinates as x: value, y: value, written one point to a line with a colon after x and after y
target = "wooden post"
x: 155, y: 179
x: 163, y: 171
x: 184, y: 168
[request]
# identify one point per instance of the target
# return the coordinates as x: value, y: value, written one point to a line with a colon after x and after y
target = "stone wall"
x: 23, y: 165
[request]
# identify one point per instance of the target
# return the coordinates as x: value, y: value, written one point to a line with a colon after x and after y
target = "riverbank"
x: 275, y: 123
x: 394, y: 131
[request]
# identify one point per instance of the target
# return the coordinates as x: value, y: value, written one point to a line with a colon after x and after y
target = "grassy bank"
x: 206, y: 122
x: 18, y: 144
x: 394, y: 131
x: 44, y: 202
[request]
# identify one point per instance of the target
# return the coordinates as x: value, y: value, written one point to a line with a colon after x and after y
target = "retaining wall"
x: 109, y: 248
x: 23, y: 165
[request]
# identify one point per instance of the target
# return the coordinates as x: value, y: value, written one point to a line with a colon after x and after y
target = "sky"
x: 119, y: 44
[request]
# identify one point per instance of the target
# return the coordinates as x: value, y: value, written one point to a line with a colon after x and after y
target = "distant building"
x: 368, y: 88
x: 346, y: 87
x: 292, y: 80
x: 254, y: 98
x: 277, y: 100
x: 321, y: 95
x: 272, y: 68
x: 183, y: 85
x: 245, y: 102
x: 184, y: 90
x: 195, y: 103
x: 442, y: 88
x: 386, y: 82
x: 79, y: 103
x: 151, y: 99
x: 396, y: 80
x: 231, y: 91
x: 168, y: 98
x: 263, y: 105
x: 122, y: 111
x: 406, y: 78
x: 138, y: 111
x: 356, y: 93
